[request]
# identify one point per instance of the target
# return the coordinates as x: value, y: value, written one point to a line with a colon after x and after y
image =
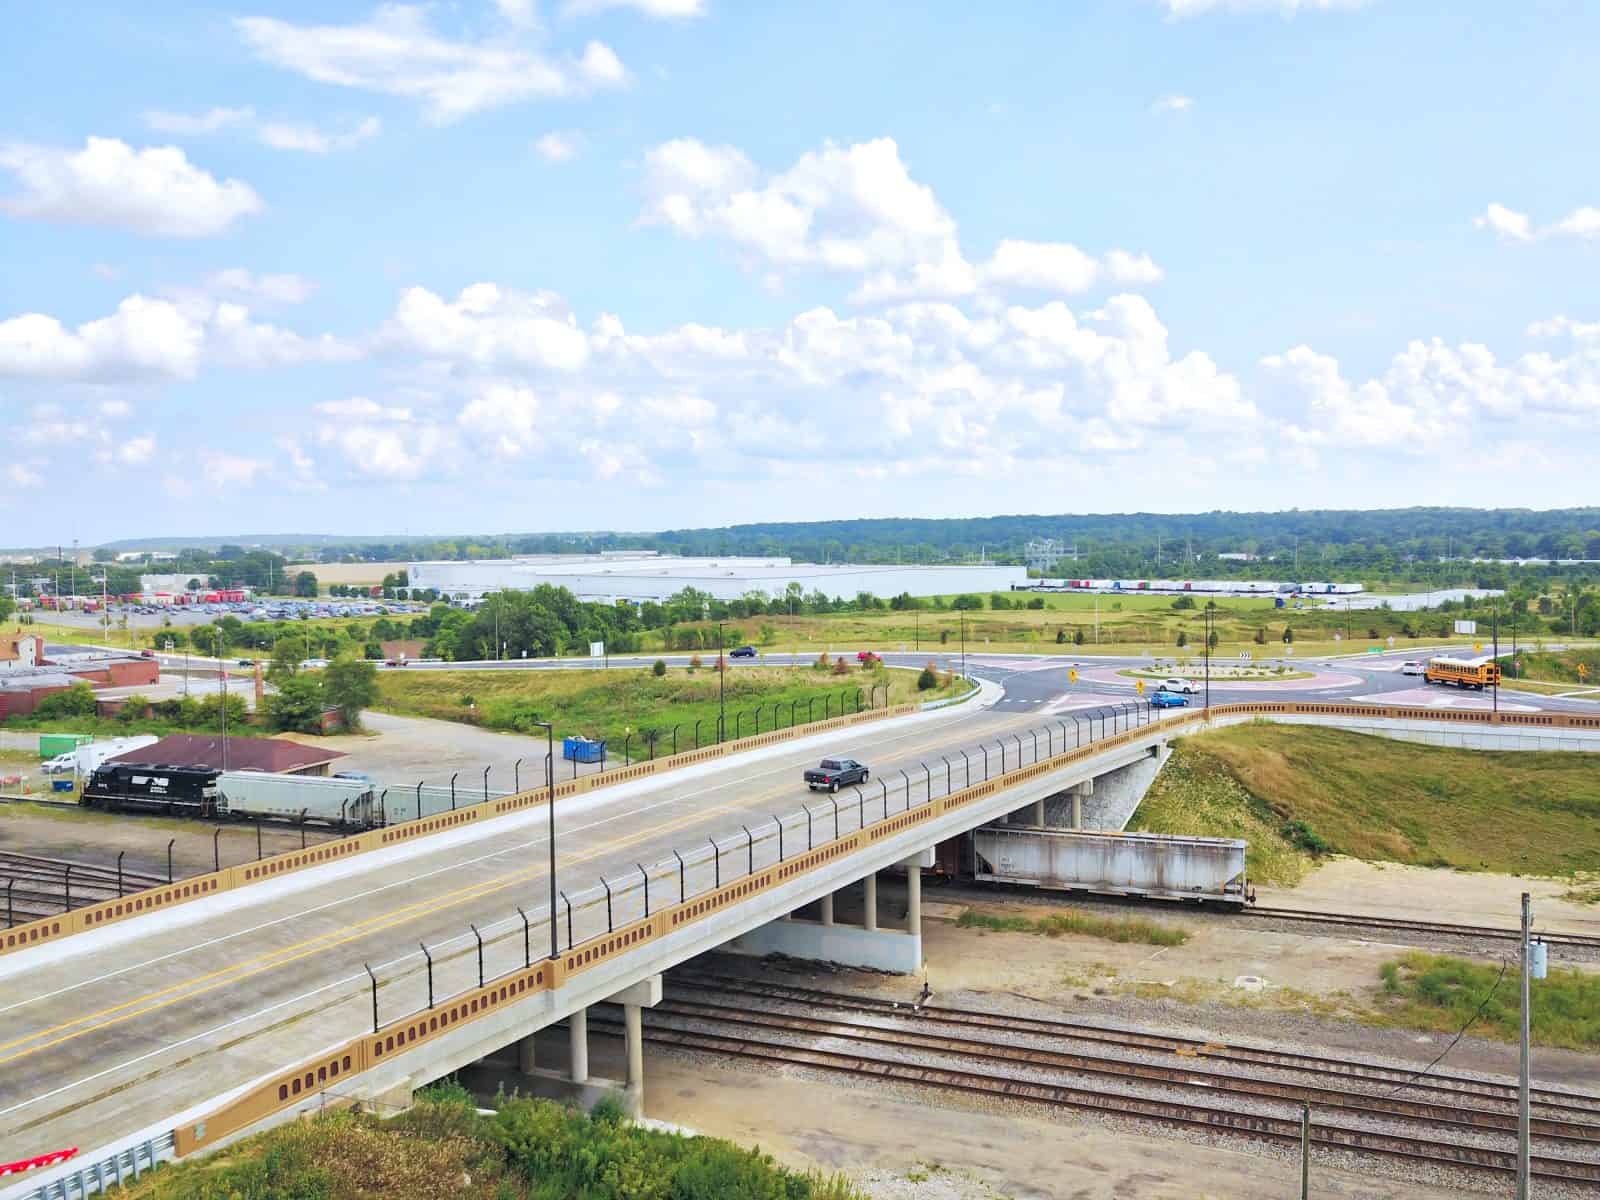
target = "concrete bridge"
x: 361, y: 970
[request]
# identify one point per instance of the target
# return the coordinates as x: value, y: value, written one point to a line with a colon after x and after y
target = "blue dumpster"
x: 584, y: 750
x: 61, y: 785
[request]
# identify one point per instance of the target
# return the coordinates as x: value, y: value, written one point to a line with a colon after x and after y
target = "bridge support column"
x: 1038, y: 811
x: 578, y: 1045
x: 914, y: 903
x: 525, y: 1054
x: 869, y: 915
x: 825, y: 905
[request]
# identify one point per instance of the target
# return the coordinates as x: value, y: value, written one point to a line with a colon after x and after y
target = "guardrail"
x: 199, y: 887
x: 92, y: 1175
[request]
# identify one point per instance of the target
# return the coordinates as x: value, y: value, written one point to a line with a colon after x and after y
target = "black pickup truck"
x: 834, y: 773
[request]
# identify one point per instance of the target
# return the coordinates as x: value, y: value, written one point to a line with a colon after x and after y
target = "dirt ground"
x: 403, y: 750
x: 79, y: 835
x: 1349, y: 885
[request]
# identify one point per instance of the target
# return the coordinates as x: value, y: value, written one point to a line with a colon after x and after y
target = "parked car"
x: 60, y: 764
x: 742, y: 652
x: 1413, y: 668
x: 1185, y: 686
x: 834, y: 773
x: 1168, y: 700
x: 147, y: 654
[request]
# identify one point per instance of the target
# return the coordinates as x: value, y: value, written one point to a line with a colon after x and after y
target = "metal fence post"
x: 966, y: 769
x: 682, y: 884
x: 627, y: 761
x: 216, y: 849
x: 527, y: 937
x: 885, y: 788
x: 927, y: 779
x: 66, y: 882
x: 779, y: 824
x: 985, y: 750
x: 120, y: 853
x: 516, y: 776
x: 453, y: 791
x: 479, y: 936
x: 907, y: 780
x: 750, y: 843
x: 674, y: 741
x: 646, y: 875
x: 716, y: 859
x: 169, y: 859
x: 835, y: 802
x: 419, y: 798
x: 568, y: 903
x: 947, y: 788
x: 429, y: 957
x: 374, y: 979
x: 607, y: 887
x: 486, y: 785
x: 11, y: 908
x: 697, y: 735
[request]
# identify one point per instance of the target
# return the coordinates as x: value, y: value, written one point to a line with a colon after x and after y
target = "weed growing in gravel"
x: 1111, y: 929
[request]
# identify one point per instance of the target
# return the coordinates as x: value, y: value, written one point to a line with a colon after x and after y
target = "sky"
x: 523, y: 265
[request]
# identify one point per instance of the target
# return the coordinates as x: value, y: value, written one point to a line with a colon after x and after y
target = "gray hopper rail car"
x: 1122, y: 864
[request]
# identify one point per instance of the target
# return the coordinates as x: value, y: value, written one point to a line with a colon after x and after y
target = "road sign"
x: 597, y: 649
x: 1139, y: 687
x: 1245, y: 655
x: 1477, y: 647
x: 1467, y: 627
x: 1288, y: 649
x: 1583, y: 670
x: 1072, y: 677
x: 1390, y: 639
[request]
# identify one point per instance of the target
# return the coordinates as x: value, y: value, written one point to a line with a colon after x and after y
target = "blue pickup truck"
x: 835, y: 773
x: 1168, y: 700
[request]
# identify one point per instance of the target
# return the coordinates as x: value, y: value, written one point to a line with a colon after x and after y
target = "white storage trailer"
x: 247, y: 794
x: 1124, y: 864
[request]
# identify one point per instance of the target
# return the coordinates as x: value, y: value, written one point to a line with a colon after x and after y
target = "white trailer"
x: 89, y: 758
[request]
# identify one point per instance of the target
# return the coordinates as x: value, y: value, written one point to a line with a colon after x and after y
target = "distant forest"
x: 1422, y: 544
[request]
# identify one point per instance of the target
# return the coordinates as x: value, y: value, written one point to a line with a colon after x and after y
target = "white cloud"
x: 285, y: 288
x: 395, y: 450
x: 20, y: 476
x: 1582, y: 331
x: 396, y: 52
x: 1513, y: 226
x: 1582, y: 223
x: 223, y: 470
x: 115, y: 409
x: 1503, y: 221
x: 189, y: 125
x: 520, y: 14
x: 311, y: 140
x: 557, y: 147
x: 1172, y: 104
x: 137, y: 450
x: 854, y: 210
x: 487, y: 326
x: 661, y: 9
x: 505, y: 418
x: 360, y: 408
x: 153, y: 191
x: 144, y: 337
x: 148, y: 338
x: 1178, y: 9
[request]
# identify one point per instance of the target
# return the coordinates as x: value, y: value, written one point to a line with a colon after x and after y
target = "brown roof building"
x: 244, y: 754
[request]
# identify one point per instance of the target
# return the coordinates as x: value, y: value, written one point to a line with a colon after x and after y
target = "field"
x: 1575, y: 667
x: 1297, y: 792
x: 616, y: 704
x: 1437, y: 991
x: 1108, y: 625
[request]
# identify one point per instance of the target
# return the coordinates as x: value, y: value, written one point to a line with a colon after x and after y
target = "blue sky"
x: 632, y: 264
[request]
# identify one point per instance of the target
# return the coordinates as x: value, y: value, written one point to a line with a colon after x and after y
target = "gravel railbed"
x: 1264, y: 1029
x: 1140, y: 1089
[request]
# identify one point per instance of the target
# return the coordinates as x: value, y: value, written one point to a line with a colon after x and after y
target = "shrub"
x: 1077, y: 637
x: 1183, y: 638
x: 967, y: 602
x: 944, y: 636
x: 1061, y: 637
x: 841, y: 667
x: 1261, y: 636
x: 823, y: 661
x: 1183, y: 602
x: 1299, y: 834
x: 76, y: 701
x: 660, y: 668
x: 928, y: 680
x: 694, y: 662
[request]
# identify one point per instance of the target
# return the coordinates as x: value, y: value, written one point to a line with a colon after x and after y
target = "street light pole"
x: 1524, y: 1119
x: 1496, y: 693
x: 963, y: 643
x: 550, y: 803
x: 722, y: 686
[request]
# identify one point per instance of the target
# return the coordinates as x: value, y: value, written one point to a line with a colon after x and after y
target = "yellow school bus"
x: 1463, y: 672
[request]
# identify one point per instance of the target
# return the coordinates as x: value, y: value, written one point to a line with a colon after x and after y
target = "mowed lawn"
x: 1300, y: 789
x: 615, y: 704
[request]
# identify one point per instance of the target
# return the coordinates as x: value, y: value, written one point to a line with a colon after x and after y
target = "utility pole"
x: 1496, y: 694
x: 1523, y: 1114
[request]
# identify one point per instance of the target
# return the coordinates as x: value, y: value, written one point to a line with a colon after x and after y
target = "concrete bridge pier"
x: 865, y: 945
x: 575, y: 1085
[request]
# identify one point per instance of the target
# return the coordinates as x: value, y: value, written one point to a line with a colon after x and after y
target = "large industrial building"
x: 645, y: 576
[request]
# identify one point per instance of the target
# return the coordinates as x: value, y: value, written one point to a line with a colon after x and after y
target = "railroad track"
x: 1581, y: 941
x: 1209, y: 1082
x: 32, y: 887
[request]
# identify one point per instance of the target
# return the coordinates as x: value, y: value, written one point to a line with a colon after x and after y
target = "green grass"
x: 1441, y: 992
x: 1296, y: 791
x: 613, y: 704
x: 1551, y: 667
x: 1111, y: 929
x: 443, y: 1148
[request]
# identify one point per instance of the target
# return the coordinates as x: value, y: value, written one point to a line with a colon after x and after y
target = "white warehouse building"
x: 642, y: 576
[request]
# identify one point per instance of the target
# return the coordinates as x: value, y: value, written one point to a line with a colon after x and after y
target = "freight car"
x: 207, y: 793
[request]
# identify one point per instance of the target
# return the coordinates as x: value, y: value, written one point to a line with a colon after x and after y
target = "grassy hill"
x: 1300, y: 791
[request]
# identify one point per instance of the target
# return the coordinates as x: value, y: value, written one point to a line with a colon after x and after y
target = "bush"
x: 1261, y: 636
x: 967, y: 603
x: 1036, y: 603
x: 660, y: 668
x: 1183, y: 638
x: 1077, y: 637
x: 1299, y: 834
x: 1061, y: 637
x: 841, y: 667
x: 928, y: 680
x: 694, y: 662
x: 76, y: 701
x: 823, y: 661
x: 1183, y: 602
x: 944, y: 636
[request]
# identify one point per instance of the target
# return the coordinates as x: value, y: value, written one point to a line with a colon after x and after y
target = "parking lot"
x: 150, y: 616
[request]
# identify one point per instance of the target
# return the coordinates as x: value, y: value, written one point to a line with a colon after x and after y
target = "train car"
x: 153, y: 787
x: 1476, y: 673
x: 343, y: 803
x: 1160, y: 866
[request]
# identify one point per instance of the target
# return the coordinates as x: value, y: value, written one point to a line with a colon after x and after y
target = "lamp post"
x: 963, y: 643
x: 722, y: 687
x: 550, y: 802
x: 1208, y: 616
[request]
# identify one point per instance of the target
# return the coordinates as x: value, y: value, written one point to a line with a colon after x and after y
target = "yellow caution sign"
x: 1583, y: 670
x: 1477, y: 647
x: 1072, y: 677
x: 1139, y: 687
